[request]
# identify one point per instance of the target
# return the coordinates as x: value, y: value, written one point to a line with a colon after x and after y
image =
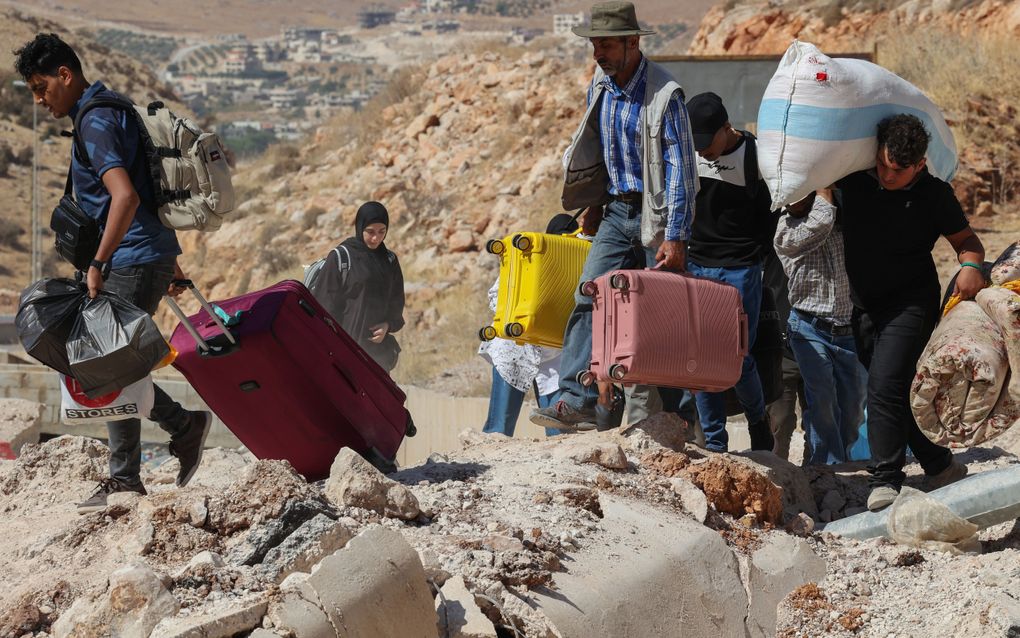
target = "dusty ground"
x: 506, y: 514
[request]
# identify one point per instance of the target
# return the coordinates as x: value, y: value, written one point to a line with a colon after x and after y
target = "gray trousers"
x: 144, y: 286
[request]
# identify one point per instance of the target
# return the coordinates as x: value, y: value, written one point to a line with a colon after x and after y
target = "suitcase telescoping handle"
x: 202, y: 344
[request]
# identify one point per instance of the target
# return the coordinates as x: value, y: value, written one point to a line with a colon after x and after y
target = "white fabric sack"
x: 134, y: 401
x: 819, y: 118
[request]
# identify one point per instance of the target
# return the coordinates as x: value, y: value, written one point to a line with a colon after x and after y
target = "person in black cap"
x: 733, y: 225
x: 362, y: 286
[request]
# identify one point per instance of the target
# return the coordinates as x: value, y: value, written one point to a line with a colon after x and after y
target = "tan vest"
x: 586, y: 179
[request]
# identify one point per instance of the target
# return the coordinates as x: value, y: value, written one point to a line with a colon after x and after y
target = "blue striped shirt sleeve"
x: 681, y: 169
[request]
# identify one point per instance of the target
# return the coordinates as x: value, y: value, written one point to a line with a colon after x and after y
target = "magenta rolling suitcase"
x: 662, y: 328
x: 289, y: 382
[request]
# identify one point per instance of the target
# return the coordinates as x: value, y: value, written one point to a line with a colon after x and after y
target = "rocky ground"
x: 524, y: 535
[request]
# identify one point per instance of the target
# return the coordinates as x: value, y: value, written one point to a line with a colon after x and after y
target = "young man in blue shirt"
x: 137, y: 256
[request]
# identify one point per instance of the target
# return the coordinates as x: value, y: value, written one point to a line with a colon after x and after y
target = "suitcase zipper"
x: 511, y: 293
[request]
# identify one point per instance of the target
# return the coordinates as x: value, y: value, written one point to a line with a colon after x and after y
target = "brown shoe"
x: 951, y: 474
x: 97, y: 502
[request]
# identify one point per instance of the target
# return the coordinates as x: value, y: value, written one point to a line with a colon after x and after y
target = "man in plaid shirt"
x: 809, y: 242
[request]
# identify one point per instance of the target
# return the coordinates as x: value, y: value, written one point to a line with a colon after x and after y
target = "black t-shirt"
x: 889, y: 236
x: 732, y: 222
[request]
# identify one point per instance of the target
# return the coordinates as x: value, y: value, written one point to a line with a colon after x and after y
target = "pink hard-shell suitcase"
x: 662, y: 328
x: 289, y: 382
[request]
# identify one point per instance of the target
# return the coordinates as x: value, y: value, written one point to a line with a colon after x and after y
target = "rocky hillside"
x: 462, y: 150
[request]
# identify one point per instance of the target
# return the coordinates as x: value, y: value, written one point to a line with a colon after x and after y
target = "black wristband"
x: 102, y: 266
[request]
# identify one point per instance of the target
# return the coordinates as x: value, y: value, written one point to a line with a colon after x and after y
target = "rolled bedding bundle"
x: 958, y: 396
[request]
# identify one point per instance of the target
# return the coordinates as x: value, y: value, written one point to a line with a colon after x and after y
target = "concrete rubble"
x: 508, y: 535
x: 19, y: 425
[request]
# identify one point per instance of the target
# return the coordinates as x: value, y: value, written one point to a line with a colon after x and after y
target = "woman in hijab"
x: 362, y: 286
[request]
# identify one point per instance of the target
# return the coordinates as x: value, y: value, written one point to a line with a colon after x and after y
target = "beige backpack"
x: 188, y: 167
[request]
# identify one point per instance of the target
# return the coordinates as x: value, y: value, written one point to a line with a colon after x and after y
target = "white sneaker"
x: 882, y: 497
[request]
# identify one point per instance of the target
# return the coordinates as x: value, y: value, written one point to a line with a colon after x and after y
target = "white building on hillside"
x: 564, y: 22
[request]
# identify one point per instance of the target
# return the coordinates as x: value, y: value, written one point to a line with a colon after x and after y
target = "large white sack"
x: 819, y: 117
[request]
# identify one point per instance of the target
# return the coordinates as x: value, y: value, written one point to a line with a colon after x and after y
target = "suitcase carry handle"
x: 202, y: 344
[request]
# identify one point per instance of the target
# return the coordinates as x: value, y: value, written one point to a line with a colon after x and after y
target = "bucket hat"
x: 610, y: 19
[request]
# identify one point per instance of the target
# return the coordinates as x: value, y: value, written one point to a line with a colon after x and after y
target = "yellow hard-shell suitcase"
x: 538, y: 274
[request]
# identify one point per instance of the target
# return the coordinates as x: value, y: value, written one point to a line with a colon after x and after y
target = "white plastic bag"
x: 819, y: 117
x: 132, y: 402
x: 918, y: 520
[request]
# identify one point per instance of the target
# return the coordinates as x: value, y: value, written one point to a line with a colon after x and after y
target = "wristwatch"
x: 102, y: 266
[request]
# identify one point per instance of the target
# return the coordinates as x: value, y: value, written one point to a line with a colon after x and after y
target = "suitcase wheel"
x: 618, y: 371
x: 494, y: 247
x: 588, y: 288
x: 619, y: 282
x: 521, y: 242
x: 514, y: 330
x: 586, y: 378
x: 488, y: 333
x: 411, y: 429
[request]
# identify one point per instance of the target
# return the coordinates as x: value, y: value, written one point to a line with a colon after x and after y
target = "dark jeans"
x: 143, y: 286
x: 889, y: 343
x: 783, y: 411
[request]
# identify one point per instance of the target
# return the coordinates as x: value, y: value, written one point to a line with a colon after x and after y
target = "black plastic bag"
x: 112, y: 344
x: 46, y: 313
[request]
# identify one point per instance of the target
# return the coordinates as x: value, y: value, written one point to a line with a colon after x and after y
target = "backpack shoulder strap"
x: 751, y: 181
x: 343, y: 262
x: 106, y: 101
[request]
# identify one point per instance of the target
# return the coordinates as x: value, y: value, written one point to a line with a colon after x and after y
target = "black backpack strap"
x: 751, y: 181
x: 152, y: 154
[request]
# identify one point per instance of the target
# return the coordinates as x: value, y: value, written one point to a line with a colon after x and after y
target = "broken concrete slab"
x: 663, y: 429
x: 781, y: 565
x: 20, y: 423
x: 459, y: 615
x: 296, y: 615
x: 607, y: 454
x: 797, y: 494
x: 306, y: 546
x: 375, y: 586
x: 984, y: 499
x: 229, y: 620
x: 355, y: 483
x: 692, y: 498
x: 648, y: 579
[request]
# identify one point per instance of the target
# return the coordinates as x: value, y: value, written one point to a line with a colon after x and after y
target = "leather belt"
x: 825, y: 326
x: 632, y: 197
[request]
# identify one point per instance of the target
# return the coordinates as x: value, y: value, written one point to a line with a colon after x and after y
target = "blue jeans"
x: 614, y: 248
x: 835, y: 386
x: 712, y: 405
x: 505, y: 403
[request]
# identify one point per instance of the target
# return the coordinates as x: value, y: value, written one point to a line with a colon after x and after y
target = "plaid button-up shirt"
x: 620, y: 129
x: 811, y: 251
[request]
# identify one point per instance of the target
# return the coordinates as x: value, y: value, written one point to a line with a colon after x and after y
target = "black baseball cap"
x: 707, y: 115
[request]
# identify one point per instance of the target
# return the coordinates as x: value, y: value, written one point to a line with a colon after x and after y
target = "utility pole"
x: 36, y: 268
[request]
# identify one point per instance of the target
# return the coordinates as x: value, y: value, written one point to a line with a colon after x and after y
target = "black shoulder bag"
x: 77, y: 235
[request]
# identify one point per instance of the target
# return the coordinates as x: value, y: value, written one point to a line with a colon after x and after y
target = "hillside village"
x: 459, y: 128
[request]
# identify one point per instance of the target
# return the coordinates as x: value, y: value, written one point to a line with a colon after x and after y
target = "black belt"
x: 633, y: 198
x: 824, y: 325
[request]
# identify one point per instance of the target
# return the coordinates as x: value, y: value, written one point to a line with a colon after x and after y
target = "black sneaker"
x: 761, y: 434
x: 187, y: 447
x: 608, y: 418
x: 97, y: 502
x: 562, y: 417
